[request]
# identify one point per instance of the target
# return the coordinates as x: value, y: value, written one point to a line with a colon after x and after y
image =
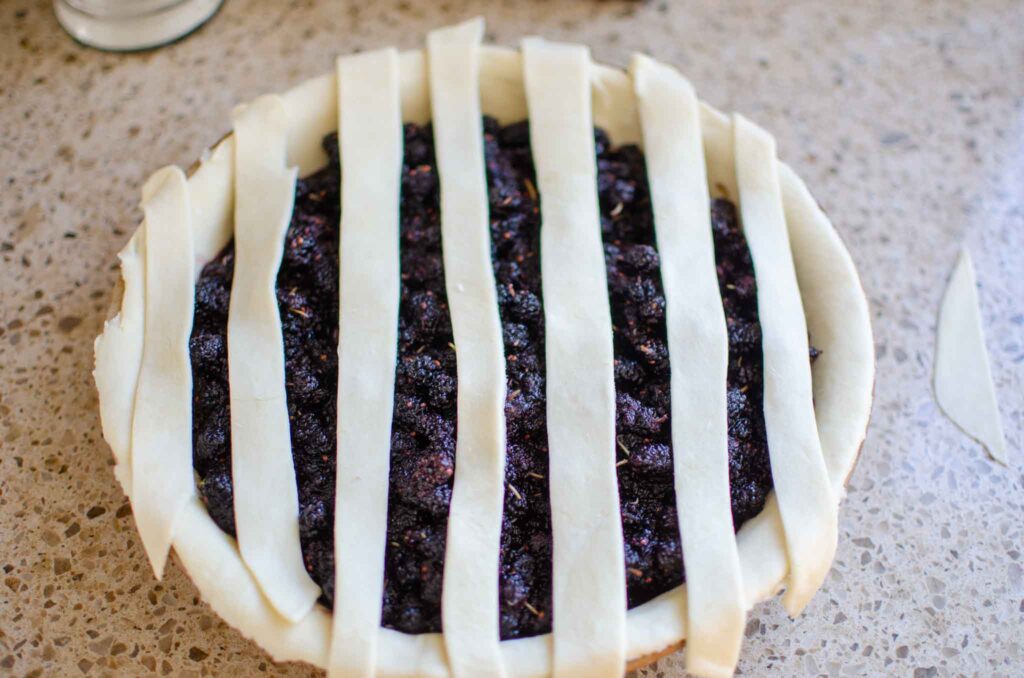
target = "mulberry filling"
x: 424, y: 426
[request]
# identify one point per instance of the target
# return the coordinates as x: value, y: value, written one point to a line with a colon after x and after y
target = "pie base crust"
x: 834, y: 303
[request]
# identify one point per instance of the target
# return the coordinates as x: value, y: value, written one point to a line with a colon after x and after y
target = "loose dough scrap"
x: 963, y: 379
x: 807, y: 504
x: 469, y: 597
x: 370, y: 142
x: 266, y: 499
x: 699, y: 347
x: 589, y: 590
x: 161, y: 432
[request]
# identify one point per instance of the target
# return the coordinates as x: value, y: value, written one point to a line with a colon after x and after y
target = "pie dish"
x: 468, y: 364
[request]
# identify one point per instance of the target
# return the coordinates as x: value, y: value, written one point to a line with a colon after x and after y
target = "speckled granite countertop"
x: 906, y: 119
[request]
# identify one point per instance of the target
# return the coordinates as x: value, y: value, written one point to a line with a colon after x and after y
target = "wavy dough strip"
x: 589, y: 589
x: 807, y: 504
x: 370, y: 139
x: 699, y: 348
x: 161, y: 432
x: 469, y: 599
x: 266, y: 499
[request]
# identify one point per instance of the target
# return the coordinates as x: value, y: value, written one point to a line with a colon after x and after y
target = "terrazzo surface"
x: 906, y: 119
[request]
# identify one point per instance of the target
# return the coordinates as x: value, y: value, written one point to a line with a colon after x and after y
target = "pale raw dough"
x: 698, y: 346
x: 837, y: 316
x: 370, y: 143
x: 213, y: 203
x: 807, y: 503
x: 588, y: 588
x: 266, y: 499
x: 469, y: 597
x: 119, y: 356
x: 963, y: 379
x: 161, y: 436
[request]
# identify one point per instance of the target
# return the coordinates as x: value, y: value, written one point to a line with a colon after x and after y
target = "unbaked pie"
x: 462, y: 361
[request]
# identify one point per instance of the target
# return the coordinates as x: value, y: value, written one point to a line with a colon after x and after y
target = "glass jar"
x: 127, y: 25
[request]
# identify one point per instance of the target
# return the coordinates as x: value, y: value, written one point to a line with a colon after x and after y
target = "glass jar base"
x: 133, y: 32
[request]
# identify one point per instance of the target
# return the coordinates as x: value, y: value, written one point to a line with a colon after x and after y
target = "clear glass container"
x: 126, y: 25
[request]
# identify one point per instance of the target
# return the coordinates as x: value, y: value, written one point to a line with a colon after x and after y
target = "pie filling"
x: 424, y: 424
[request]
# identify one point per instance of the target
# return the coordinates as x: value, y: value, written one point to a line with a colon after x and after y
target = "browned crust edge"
x: 648, y: 659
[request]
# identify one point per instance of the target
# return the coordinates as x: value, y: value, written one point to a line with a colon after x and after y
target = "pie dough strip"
x: 806, y: 501
x: 699, y: 348
x: 469, y: 598
x: 589, y: 588
x: 266, y: 498
x: 370, y: 139
x: 161, y: 435
x: 963, y: 380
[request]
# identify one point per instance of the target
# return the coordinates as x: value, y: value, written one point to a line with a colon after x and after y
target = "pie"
x: 476, y: 361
